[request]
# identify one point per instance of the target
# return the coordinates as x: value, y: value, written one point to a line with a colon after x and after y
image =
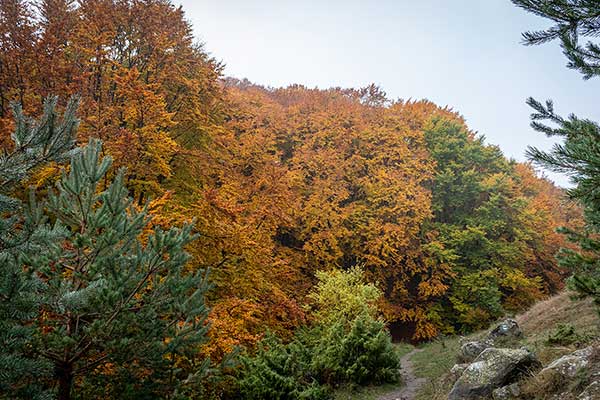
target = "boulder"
x: 471, y: 350
x: 568, y: 366
x: 559, y: 376
x: 508, y: 328
x: 457, y: 370
x: 493, y: 368
x: 507, y: 392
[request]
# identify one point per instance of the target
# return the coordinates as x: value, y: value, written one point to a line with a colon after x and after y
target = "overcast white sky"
x: 462, y: 53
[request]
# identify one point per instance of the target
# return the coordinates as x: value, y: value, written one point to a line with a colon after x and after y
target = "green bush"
x: 347, y: 345
x: 564, y: 335
x: 364, y: 355
x: 318, y: 359
x: 279, y: 371
x: 342, y: 296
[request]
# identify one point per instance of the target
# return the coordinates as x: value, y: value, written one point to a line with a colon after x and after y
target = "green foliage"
x: 88, y: 292
x: 26, y: 239
x: 573, y: 19
x: 364, y: 355
x: 347, y: 345
x: 462, y: 163
x: 481, y: 225
x: 477, y: 299
x: 318, y: 359
x: 38, y: 142
x: 116, y: 294
x: 578, y: 155
x: 280, y: 371
x: 564, y: 335
x: 343, y: 296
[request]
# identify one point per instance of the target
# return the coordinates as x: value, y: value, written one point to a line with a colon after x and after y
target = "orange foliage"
x: 346, y: 183
x: 281, y: 182
x: 547, y: 209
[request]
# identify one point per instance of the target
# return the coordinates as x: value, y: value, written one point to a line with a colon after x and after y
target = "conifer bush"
x: 363, y: 355
x: 280, y: 371
x: 565, y: 335
x: 352, y: 348
x: 354, y: 345
x: 25, y: 240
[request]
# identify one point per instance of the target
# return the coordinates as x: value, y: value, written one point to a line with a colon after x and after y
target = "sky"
x: 466, y: 54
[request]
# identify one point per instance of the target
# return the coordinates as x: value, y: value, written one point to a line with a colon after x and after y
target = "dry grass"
x: 544, y: 316
x: 543, y: 384
x: 549, y: 382
x: 537, y: 324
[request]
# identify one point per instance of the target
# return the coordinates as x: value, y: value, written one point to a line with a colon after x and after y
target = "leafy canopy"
x: 343, y: 296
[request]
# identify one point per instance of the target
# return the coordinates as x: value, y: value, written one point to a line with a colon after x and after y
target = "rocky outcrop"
x: 471, y: 350
x: 457, y: 370
x: 568, y: 366
x: 508, y: 328
x: 492, y: 369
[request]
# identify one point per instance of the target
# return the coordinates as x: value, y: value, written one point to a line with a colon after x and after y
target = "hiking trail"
x: 411, y: 383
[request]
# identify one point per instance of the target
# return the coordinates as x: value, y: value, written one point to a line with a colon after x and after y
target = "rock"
x: 457, y: 370
x: 568, y: 366
x: 507, y: 328
x: 591, y: 392
x: 559, y: 373
x: 471, y: 350
x: 492, y: 369
x: 507, y: 392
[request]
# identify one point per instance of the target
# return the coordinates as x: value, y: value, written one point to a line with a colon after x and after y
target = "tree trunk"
x: 64, y: 372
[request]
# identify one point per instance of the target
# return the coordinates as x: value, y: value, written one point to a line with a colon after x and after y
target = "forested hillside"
x: 285, y: 187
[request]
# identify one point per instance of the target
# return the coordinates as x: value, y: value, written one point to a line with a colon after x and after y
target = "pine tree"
x: 24, y: 240
x: 573, y: 19
x: 116, y: 294
x: 579, y: 154
x: 88, y: 288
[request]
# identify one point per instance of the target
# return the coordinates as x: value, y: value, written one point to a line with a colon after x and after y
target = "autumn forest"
x: 254, y: 202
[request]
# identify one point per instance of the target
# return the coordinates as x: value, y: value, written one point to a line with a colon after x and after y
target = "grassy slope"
x: 433, y: 363
x: 438, y: 357
x: 537, y: 323
x: 540, y: 320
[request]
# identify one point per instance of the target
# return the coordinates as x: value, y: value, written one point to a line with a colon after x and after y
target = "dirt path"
x: 411, y: 382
